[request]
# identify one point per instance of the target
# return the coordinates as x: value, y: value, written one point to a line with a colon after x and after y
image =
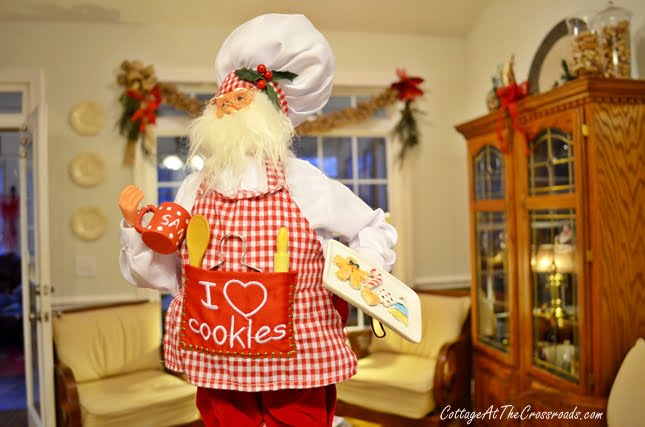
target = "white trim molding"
x: 65, y: 302
x: 443, y: 282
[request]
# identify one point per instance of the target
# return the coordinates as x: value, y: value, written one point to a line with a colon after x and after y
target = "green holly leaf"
x: 248, y: 75
x: 273, y: 95
x: 284, y: 75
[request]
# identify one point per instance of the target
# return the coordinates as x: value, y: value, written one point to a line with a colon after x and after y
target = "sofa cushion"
x: 150, y: 398
x: 443, y: 318
x: 398, y: 384
x: 628, y: 389
x: 110, y: 341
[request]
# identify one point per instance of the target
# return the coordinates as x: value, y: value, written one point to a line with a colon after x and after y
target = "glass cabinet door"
x: 490, y: 227
x: 492, y: 280
x: 553, y: 254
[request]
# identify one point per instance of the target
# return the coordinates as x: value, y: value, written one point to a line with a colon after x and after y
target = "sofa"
x: 109, y: 372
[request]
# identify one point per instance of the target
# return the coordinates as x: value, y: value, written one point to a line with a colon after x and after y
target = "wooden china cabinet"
x: 557, y: 248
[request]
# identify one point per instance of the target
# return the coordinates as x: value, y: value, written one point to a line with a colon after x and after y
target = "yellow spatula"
x: 198, y: 236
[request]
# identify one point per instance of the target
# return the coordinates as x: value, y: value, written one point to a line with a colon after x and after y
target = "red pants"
x: 313, y: 407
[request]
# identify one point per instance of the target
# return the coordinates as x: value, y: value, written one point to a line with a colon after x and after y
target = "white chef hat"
x: 282, y: 43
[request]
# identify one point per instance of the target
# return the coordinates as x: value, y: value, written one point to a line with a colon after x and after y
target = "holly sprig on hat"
x: 260, y: 78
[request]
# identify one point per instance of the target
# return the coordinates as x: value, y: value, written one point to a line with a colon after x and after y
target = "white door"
x: 36, y: 284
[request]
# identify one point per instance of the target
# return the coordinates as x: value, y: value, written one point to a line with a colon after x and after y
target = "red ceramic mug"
x: 166, y: 229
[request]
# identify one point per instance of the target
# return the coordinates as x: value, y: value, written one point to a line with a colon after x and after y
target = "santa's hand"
x: 129, y: 201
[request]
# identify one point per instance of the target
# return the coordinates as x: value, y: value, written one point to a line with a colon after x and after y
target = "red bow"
x: 407, y: 87
x: 147, y: 112
x: 508, y: 96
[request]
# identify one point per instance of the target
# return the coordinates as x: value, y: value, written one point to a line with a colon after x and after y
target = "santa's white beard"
x: 258, y: 130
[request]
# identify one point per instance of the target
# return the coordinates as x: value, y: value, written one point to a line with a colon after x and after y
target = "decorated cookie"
x: 349, y: 269
x: 369, y: 297
x: 374, y: 279
x: 400, y: 311
x: 385, y: 297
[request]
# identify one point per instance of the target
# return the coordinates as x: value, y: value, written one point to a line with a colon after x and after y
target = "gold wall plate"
x: 87, y: 118
x: 89, y: 223
x: 87, y: 169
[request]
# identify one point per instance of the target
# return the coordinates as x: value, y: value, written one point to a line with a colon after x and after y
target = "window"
x: 172, y: 145
x: 357, y: 156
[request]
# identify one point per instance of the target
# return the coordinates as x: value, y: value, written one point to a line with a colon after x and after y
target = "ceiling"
x: 427, y: 17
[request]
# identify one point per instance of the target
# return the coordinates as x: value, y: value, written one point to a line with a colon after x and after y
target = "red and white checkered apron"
x: 322, y: 355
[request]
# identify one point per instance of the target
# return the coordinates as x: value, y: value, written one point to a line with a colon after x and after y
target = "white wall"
x: 80, y: 63
x: 519, y: 26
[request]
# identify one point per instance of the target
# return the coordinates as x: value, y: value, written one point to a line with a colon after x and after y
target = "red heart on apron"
x: 245, y: 298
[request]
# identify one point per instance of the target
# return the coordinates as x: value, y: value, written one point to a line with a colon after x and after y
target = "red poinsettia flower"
x: 147, y: 112
x: 407, y: 87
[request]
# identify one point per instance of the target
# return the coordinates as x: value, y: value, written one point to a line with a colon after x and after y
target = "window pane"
x: 379, y: 114
x: 166, y: 110
x: 10, y: 102
x: 205, y: 97
x: 336, y: 103
x: 337, y: 157
x: 374, y: 195
x: 168, y: 145
x: 170, y: 175
x: 167, y: 194
x: 306, y: 148
x: 372, y: 162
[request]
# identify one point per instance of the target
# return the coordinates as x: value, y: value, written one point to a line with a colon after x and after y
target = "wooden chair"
x: 450, y: 384
x: 108, y: 370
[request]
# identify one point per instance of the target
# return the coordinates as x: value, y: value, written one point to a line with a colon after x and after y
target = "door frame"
x: 32, y: 85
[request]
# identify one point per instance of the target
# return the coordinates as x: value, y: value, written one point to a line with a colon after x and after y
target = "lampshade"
x: 562, y: 255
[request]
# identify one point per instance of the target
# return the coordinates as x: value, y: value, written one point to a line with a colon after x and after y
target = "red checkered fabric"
x: 322, y: 355
x: 232, y: 82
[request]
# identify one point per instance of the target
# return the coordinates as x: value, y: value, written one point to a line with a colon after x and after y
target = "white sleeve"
x: 148, y: 269
x: 333, y: 210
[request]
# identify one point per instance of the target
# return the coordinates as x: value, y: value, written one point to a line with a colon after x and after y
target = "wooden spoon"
x: 198, y: 235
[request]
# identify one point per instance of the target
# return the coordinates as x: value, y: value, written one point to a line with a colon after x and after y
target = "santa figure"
x: 258, y: 368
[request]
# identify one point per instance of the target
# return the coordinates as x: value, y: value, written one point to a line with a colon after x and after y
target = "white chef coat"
x: 331, y: 208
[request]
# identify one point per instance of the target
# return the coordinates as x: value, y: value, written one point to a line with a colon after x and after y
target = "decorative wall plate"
x: 89, y: 223
x: 87, y: 169
x: 87, y: 118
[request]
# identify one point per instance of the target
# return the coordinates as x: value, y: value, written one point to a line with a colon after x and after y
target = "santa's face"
x: 235, y: 126
x: 233, y: 101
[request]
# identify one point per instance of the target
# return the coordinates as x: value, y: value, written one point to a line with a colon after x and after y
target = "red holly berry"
x: 262, y: 68
x: 261, y: 84
x: 268, y: 75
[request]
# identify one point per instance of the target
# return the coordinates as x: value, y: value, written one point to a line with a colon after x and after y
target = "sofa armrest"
x: 452, y: 374
x: 68, y: 407
x: 359, y: 341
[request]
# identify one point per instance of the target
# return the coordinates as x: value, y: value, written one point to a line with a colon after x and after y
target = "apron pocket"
x: 238, y: 314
